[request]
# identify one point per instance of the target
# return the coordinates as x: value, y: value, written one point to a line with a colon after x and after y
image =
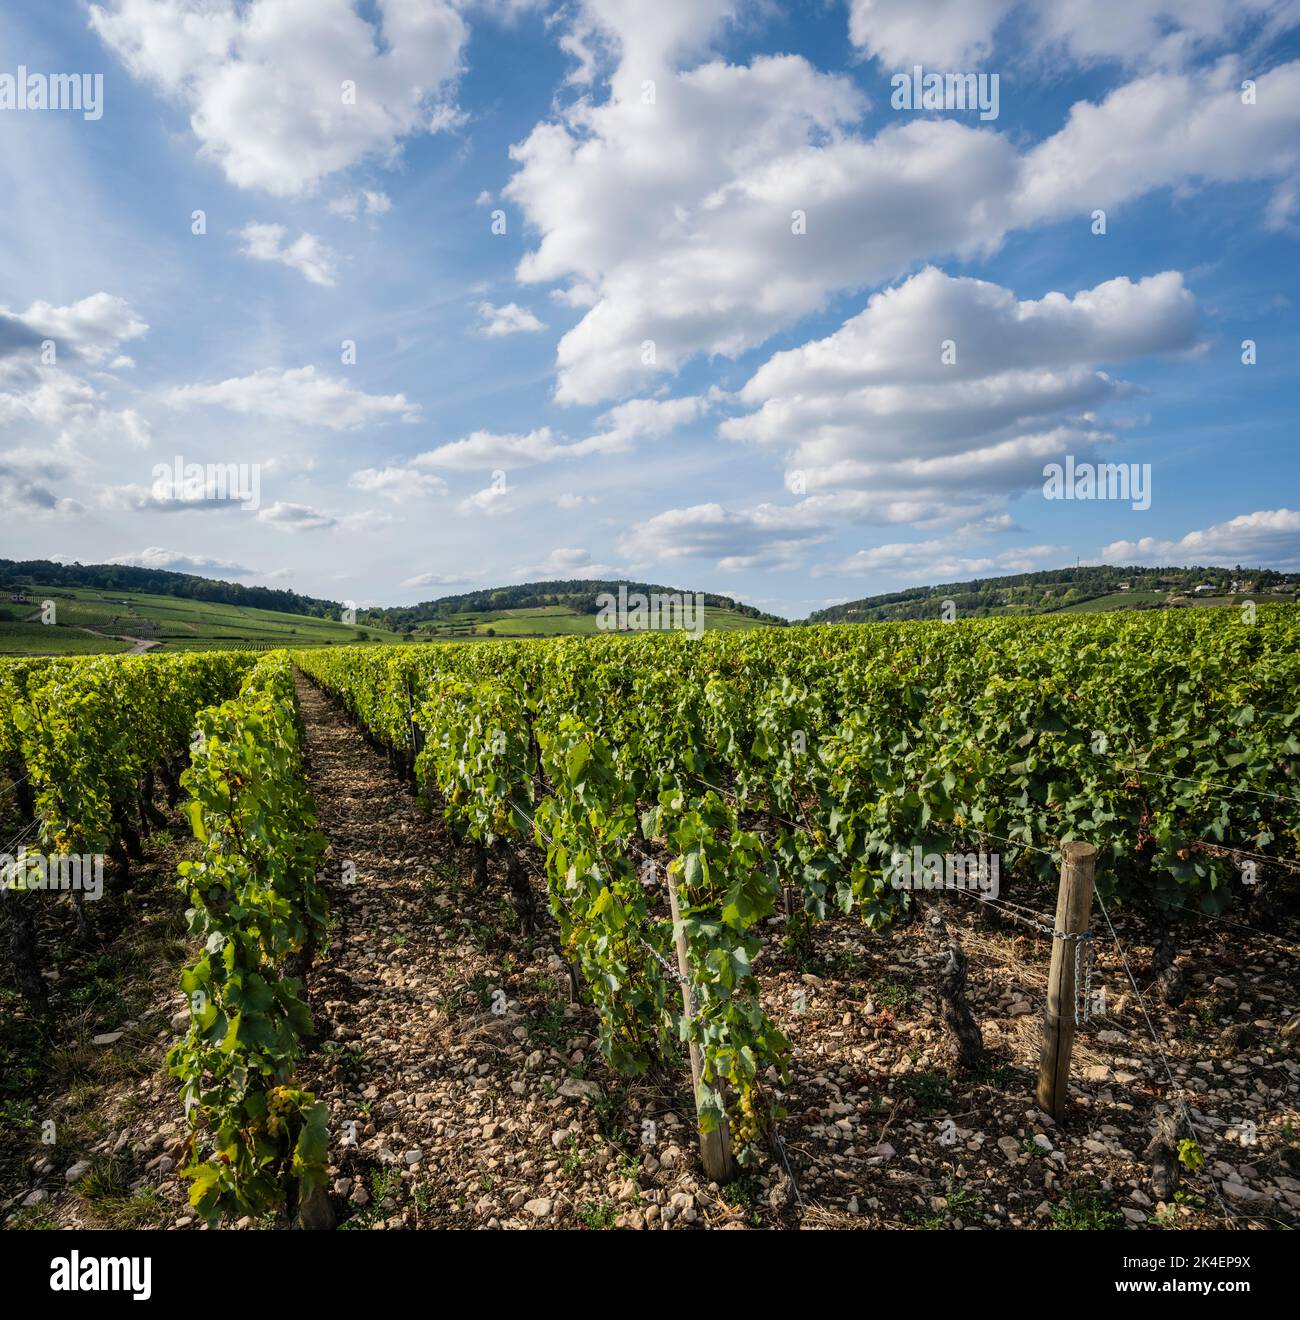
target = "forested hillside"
x: 1065, y: 589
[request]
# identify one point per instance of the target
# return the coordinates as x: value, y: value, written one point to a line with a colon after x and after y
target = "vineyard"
x: 648, y: 890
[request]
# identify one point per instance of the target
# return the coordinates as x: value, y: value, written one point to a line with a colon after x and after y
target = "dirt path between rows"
x: 139, y: 645
x: 446, y: 1040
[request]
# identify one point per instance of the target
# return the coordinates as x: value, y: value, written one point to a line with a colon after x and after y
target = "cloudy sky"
x: 494, y: 290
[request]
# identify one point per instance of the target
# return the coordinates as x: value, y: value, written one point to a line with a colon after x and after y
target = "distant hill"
x: 104, y: 607
x: 45, y: 618
x: 576, y: 595
x: 1068, y: 590
x: 18, y: 574
x: 101, y: 608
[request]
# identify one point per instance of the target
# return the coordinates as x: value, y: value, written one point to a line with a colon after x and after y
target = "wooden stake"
x: 715, y: 1147
x: 1073, y: 911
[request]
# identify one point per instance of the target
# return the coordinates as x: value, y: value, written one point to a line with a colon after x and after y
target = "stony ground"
x: 465, y: 1090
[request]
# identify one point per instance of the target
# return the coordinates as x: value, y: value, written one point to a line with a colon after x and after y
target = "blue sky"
x: 651, y: 371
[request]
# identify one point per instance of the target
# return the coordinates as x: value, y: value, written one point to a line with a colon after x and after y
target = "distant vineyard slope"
x: 1082, y: 589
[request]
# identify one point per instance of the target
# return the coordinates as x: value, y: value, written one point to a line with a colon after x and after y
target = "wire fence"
x: 1041, y: 925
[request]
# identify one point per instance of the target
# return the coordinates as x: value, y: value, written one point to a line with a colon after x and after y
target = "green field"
x: 91, y: 621
x: 37, y: 639
x: 549, y: 621
x: 1131, y: 600
x: 171, y: 622
x: 1116, y: 600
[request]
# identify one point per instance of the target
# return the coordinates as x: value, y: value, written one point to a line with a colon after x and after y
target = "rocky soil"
x: 465, y: 1090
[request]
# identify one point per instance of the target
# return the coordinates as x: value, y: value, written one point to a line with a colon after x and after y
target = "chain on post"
x: 671, y: 972
x: 1080, y: 1004
x: 1082, y: 968
x: 1088, y: 951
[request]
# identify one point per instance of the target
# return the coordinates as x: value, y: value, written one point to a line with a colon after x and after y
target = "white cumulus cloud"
x: 768, y: 536
x: 623, y: 426
x: 398, y: 483
x: 297, y: 394
x: 740, y: 197
x: 435, y: 580
x: 510, y: 319
x: 177, y: 561
x: 942, y: 389
x: 290, y: 517
x: 957, y: 34
x: 91, y: 329
x: 283, y: 93
x: 564, y: 563
x: 1268, y: 538
x: 367, y: 202
x: 316, y: 261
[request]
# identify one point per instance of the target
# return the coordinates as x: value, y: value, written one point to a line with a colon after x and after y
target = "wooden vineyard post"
x: 715, y: 1146
x: 1073, y: 910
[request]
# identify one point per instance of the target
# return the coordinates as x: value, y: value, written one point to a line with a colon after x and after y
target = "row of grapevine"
x: 1169, y: 741
x: 257, y: 907
x: 81, y: 741
x: 87, y: 735
x: 742, y: 763
x: 15, y: 675
x: 504, y: 746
